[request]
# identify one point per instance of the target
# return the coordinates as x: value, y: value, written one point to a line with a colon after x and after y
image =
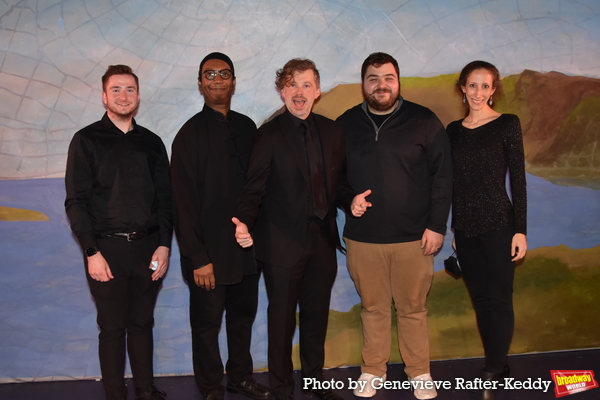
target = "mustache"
x: 382, y: 91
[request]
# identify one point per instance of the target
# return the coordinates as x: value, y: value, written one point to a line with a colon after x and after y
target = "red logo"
x: 570, y: 382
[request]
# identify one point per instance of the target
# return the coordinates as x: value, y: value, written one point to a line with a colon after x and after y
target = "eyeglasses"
x: 211, y: 74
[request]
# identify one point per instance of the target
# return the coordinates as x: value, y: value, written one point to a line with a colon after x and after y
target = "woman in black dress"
x: 489, y: 225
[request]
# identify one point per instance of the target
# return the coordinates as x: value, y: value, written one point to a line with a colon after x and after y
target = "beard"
x: 379, y: 105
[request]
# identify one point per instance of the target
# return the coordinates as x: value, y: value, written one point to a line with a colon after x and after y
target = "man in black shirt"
x: 118, y: 202
x: 208, y: 166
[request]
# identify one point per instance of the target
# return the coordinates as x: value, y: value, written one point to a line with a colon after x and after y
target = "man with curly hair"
x: 289, y: 206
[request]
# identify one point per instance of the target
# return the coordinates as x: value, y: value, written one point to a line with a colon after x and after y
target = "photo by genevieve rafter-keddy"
x: 456, y: 384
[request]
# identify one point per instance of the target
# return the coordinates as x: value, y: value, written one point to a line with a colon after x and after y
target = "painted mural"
x: 53, y: 52
x: 556, y: 286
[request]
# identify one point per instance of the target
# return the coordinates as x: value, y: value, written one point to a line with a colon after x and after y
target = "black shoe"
x: 322, y: 394
x: 489, y: 394
x: 250, y: 388
x: 151, y: 393
x: 505, y: 372
x: 216, y: 395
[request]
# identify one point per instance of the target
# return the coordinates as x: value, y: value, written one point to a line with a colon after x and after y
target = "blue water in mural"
x: 47, y: 317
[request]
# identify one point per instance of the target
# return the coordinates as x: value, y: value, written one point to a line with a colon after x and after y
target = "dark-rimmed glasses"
x: 211, y: 74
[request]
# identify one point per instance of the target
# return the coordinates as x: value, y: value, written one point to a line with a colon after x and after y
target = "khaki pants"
x: 398, y: 273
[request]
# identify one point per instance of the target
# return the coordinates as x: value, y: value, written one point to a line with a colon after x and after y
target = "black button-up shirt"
x: 117, y: 182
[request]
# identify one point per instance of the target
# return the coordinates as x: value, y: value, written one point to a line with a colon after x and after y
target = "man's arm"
x: 162, y: 189
x: 440, y: 170
x: 78, y: 183
x: 187, y: 199
x: 259, y: 168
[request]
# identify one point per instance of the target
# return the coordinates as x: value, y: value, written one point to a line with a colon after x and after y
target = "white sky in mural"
x: 53, y: 53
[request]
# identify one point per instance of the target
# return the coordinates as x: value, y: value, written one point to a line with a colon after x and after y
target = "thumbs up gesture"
x: 242, y: 236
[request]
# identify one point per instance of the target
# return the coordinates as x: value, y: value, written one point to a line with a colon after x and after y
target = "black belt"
x: 129, y: 236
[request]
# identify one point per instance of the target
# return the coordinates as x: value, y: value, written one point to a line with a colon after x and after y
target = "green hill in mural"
x: 20, y: 214
x: 556, y: 298
x: 560, y: 117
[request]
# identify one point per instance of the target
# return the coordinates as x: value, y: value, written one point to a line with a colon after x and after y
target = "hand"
x: 454, y: 242
x: 241, y: 233
x: 161, y: 254
x: 98, y: 268
x: 518, y: 246
x: 431, y: 242
x: 360, y: 204
x: 205, y: 277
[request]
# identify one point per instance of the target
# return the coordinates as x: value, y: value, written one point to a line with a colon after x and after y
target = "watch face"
x: 90, y: 251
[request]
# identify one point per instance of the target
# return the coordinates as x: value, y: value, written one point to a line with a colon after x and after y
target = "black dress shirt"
x: 117, y: 182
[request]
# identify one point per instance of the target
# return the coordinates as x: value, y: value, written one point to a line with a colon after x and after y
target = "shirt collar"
x: 217, y: 115
x: 298, y: 121
x: 108, y: 124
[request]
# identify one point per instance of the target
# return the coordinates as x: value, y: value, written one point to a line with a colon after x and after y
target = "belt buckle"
x: 130, y: 236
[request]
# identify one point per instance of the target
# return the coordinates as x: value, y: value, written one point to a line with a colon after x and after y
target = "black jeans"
x: 125, y: 306
x: 489, y: 273
x: 239, y: 302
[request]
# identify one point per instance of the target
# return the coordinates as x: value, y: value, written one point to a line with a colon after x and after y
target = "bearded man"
x: 400, y: 151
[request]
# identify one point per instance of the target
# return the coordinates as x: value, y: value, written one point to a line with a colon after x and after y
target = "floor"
x: 534, y: 368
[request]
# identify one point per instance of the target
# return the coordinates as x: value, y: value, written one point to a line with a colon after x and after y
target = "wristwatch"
x: 90, y: 251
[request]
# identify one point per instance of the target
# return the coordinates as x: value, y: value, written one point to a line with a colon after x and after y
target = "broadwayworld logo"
x: 570, y: 382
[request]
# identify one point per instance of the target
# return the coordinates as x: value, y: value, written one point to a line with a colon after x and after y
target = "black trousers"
x: 239, y: 302
x: 125, y: 306
x: 489, y: 274
x: 308, y: 285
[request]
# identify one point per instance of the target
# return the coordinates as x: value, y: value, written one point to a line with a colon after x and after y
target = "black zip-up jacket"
x: 406, y: 163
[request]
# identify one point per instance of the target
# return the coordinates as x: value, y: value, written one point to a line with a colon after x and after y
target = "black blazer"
x: 276, y: 202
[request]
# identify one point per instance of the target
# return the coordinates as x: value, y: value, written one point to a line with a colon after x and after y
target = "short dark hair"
x: 119, y: 69
x: 475, y: 65
x: 285, y: 75
x: 377, y: 60
x: 216, y: 56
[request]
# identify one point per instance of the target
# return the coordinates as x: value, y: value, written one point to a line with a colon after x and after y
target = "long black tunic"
x: 208, y: 163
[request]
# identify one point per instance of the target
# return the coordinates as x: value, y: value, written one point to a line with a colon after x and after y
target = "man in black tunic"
x: 209, y: 161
